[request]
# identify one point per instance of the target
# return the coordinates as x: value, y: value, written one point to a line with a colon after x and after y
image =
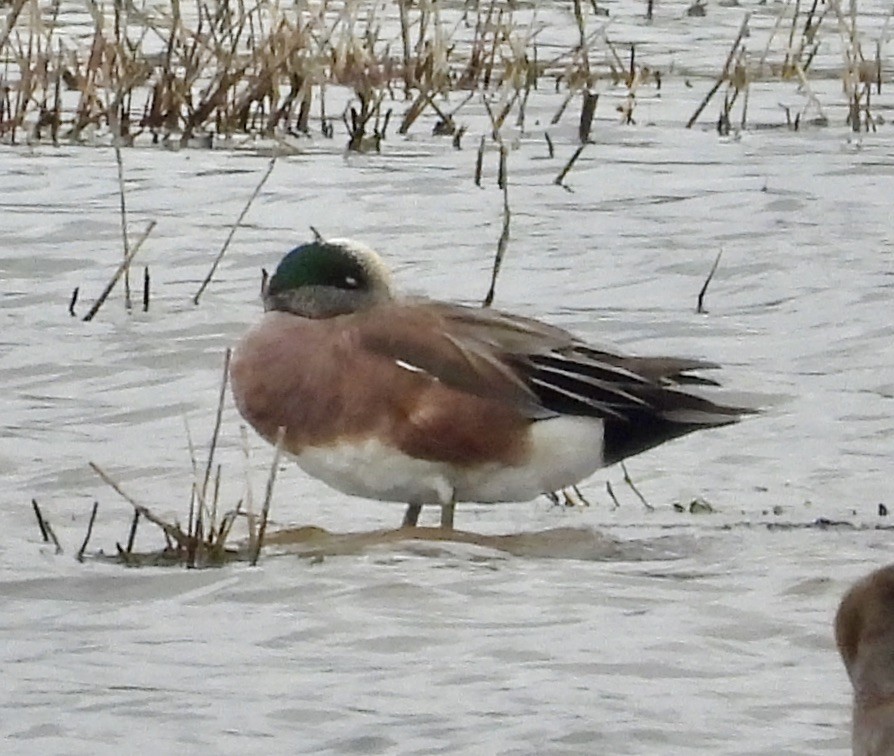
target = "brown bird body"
x: 426, y: 402
x: 864, y: 632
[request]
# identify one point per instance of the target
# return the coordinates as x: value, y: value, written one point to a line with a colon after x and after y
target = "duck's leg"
x: 447, y: 511
x: 411, y: 516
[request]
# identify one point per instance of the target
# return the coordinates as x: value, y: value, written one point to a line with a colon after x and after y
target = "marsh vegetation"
x: 357, y: 71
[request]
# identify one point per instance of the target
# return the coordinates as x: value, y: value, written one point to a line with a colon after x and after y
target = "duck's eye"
x: 351, y: 283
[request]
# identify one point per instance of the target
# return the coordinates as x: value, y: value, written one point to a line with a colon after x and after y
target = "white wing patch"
x: 409, y: 366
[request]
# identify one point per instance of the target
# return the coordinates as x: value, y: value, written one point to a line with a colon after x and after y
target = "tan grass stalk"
x: 116, y: 142
x: 193, y: 512
x: 11, y: 17
x: 789, y: 49
x: 172, y: 531
x: 249, y: 491
x: 215, y: 434
x: 268, y: 496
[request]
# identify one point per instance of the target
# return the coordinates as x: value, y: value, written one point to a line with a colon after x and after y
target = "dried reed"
x: 700, y: 304
x: 80, y: 554
x: 743, y: 28
x: 116, y: 275
x: 560, y: 179
x: 629, y: 481
x: 503, y: 242
x: 190, y: 75
x: 232, y: 233
x: 187, y: 75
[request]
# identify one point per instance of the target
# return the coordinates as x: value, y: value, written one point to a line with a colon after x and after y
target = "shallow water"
x: 648, y: 632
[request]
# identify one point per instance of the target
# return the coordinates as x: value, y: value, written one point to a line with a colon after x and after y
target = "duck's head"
x: 325, y: 278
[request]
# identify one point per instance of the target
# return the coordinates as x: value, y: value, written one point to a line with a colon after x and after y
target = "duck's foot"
x: 411, y: 516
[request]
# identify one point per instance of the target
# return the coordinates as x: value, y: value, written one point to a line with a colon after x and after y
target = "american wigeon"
x: 424, y: 402
x: 864, y: 631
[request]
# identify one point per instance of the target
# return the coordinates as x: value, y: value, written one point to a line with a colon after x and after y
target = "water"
x: 669, y: 633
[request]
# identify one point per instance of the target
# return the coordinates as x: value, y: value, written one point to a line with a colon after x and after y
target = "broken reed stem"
x: 629, y: 482
x: 582, y: 34
x: 117, y: 274
x: 559, y: 180
x: 223, y: 249
x: 195, y: 530
x: 611, y: 494
x: 80, y: 554
x: 198, y: 502
x: 122, y: 204
x: 146, y: 289
x: 215, y: 434
x: 405, y: 40
x: 46, y: 529
x: 132, y: 535
x: 41, y: 523
x: 479, y: 162
x: 268, y: 495
x: 504, y: 233
x: 215, y: 499
x: 11, y: 18
x: 501, y: 170
x: 789, y: 50
x: 171, y: 531
x: 495, y: 132
x: 194, y: 488
x: 776, y: 26
x: 53, y: 537
x: 249, y: 498
x: 700, y: 307
x: 558, y: 115
x: 226, y: 525
x: 73, y: 301
x: 723, y: 74
x: 588, y: 110
x: 852, y: 57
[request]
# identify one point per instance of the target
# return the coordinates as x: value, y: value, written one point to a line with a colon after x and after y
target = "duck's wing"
x: 542, y: 369
x: 455, y: 346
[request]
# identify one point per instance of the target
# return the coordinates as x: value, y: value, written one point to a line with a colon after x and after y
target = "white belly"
x: 565, y: 450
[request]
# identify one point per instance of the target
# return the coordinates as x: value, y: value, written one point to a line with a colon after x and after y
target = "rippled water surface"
x: 646, y: 632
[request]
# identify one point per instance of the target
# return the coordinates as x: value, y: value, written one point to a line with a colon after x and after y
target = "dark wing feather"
x: 544, y: 370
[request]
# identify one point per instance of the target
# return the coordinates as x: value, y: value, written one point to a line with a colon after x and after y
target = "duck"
x: 424, y: 402
x: 864, y: 634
